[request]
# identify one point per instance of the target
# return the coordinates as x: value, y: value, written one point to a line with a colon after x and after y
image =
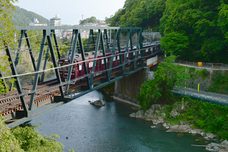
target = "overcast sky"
x: 71, y: 11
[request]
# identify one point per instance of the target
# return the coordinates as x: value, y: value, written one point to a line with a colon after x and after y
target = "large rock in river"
x: 97, y: 103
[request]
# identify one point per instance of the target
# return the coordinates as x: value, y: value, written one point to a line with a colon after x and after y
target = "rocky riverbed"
x: 157, y: 115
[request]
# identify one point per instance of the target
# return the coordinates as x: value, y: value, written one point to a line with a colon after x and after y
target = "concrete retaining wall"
x: 128, y: 87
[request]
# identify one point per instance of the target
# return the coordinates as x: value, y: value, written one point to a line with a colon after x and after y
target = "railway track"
x: 11, y: 105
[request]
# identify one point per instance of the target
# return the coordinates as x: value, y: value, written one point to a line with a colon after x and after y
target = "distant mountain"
x: 24, y: 17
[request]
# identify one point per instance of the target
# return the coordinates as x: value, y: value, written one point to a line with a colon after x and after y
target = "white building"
x: 56, y: 21
x: 36, y: 23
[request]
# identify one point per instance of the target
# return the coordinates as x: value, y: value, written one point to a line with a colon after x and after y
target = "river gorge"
x: 84, y: 127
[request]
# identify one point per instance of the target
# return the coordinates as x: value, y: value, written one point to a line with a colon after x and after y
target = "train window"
x: 133, y: 53
x: 146, y: 50
x: 90, y: 64
x: 114, y: 58
x: 118, y: 57
x: 102, y: 61
x: 139, y: 51
x: 73, y: 68
x: 80, y: 67
x: 127, y: 55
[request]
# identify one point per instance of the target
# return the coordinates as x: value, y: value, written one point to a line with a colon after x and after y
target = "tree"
x: 139, y: 13
x: 88, y: 20
x: 26, y: 139
x: 196, y: 29
x: 6, y: 38
x: 167, y: 75
x: 6, y: 26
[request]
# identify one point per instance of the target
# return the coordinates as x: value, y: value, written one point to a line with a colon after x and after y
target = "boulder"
x: 158, y: 120
x: 180, y: 128
x: 152, y: 126
x: 163, y: 115
x: 202, y: 133
x: 224, y: 143
x: 193, y: 132
x: 165, y: 125
x: 154, y: 109
x: 132, y: 115
x: 209, y: 136
x: 213, y: 147
x: 97, y: 103
x: 139, y: 114
x: 149, y: 113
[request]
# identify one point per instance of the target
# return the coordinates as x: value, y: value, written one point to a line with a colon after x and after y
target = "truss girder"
x: 102, y: 43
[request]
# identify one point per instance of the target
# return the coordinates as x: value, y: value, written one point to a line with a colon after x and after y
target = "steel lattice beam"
x: 17, y: 81
x: 75, y: 40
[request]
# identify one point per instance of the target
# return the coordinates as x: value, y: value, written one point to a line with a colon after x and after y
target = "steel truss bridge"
x: 59, y: 91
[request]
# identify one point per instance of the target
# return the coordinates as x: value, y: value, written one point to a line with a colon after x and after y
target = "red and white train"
x: 78, y: 68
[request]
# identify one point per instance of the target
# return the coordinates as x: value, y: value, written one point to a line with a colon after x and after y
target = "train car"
x: 78, y: 68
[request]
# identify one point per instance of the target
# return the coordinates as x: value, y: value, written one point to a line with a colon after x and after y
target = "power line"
x: 69, y: 82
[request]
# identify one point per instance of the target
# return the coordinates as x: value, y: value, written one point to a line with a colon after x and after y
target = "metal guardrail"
x: 202, y: 95
x: 216, y: 66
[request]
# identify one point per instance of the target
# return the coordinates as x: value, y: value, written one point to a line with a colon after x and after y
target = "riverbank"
x: 193, y: 117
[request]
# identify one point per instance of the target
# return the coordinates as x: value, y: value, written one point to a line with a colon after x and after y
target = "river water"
x: 109, y: 129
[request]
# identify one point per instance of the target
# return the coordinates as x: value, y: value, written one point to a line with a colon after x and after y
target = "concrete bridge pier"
x: 127, y: 88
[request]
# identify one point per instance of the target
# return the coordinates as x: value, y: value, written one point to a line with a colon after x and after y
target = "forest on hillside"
x: 195, y: 30
x: 24, y: 17
x: 92, y: 19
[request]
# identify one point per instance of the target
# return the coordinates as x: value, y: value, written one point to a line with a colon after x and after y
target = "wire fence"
x: 204, y: 65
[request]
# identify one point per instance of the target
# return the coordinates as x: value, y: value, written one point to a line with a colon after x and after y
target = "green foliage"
x: 139, y: 13
x: 220, y: 81
x: 6, y: 26
x: 212, y: 118
x: 174, y: 42
x: 30, y: 140
x: 26, y: 139
x: 88, y: 20
x: 7, y: 139
x: 166, y: 77
x: 23, y: 17
x: 6, y: 34
x: 3, y: 70
x: 196, y: 30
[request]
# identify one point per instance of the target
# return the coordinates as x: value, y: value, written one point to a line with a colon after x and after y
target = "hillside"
x: 194, y: 30
x: 22, y: 16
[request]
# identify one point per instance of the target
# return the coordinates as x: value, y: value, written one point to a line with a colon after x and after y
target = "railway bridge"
x: 107, y: 49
